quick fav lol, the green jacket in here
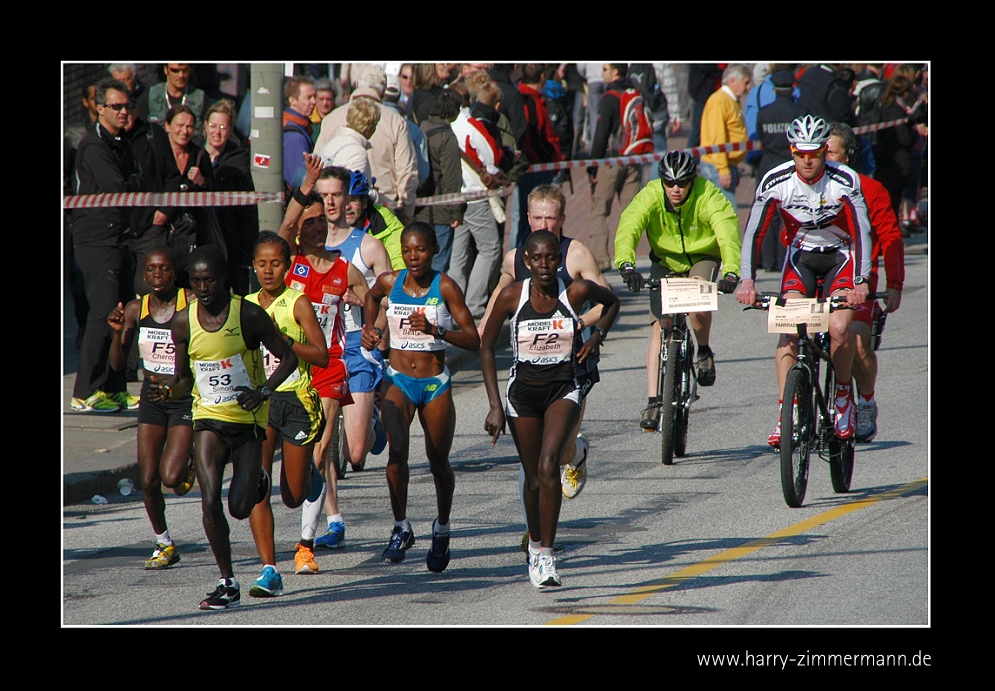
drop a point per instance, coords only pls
(705, 225)
(388, 231)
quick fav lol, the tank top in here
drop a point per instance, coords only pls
(220, 361)
(282, 312)
(400, 305)
(325, 290)
(542, 342)
(351, 251)
(155, 339)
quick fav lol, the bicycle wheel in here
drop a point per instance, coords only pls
(684, 401)
(841, 464)
(796, 435)
(669, 403)
(335, 454)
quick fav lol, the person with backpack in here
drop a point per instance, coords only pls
(623, 129)
(540, 144)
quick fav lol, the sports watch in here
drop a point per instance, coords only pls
(265, 392)
(860, 280)
(440, 332)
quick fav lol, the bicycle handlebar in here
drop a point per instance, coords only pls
(835, 301)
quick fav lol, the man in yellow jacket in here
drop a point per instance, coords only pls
(722, 122)
(692, 231)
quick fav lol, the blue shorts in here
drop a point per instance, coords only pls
(365, 369)
(420, 391)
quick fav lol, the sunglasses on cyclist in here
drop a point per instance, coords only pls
(118, 106)
(683, 182)
(818, 153)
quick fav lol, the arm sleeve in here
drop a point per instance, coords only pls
(635, 219)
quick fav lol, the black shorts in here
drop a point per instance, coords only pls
(293, 422)
(532, 400)
(706, 268)
(587, 380)
(168, 414)
(232, 435)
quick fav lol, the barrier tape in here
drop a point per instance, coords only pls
(166, 199)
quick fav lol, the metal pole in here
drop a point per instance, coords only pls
(266, 135)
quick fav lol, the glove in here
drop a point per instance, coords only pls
(728, 284)
(633, 279)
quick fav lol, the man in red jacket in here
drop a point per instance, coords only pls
(886, 240)
(540, 144)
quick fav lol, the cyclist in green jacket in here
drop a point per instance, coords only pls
(693, 231)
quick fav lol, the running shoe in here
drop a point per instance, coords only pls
(400, 541)
(125, 400)
(775, 437)
(867, 421)
(227, 594)
(334, 537)
(438, 556)
(542, 571)
(98, 402)
(185, 486)
(525, 544)
(264, 486)
(304, 560)
(846, 413)
(269, 584)
(163, 557)
(651, 418)
(381, 442)
(574, 477)
(705, 366)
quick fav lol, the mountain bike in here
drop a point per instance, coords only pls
(677, 381)
(806, 417)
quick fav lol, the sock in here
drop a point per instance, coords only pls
(546, 551)
(842, 389)
(868, 398)
(307, 543)
(653, 400)
(272, 565)
(404, 524)
(163, 539)
(337, 518)
(440, 528)
(534, 547)
(310, 513)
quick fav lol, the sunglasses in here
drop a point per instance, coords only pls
(179, 70)
(118, 106)
(683, 182)
(818, 153)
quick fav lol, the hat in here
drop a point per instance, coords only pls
(393, 91)
(782, 79)
(373, 76)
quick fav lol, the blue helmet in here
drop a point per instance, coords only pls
(358, 184)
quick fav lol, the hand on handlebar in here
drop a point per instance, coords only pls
(857, 295)
(746, 293)
(633, 279)
(728, 283)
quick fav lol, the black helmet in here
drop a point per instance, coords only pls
(677, 165)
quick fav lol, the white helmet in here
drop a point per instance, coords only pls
(808, 133)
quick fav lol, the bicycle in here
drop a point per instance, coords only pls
(677, 381)
(806, 417)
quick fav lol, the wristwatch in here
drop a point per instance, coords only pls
(860, 280)
(440, 332)
(265, 392)
(603, 332)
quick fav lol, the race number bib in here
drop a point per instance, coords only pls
(216, 380)
(546, 341)
(271, 362)
(398, 317)
(156, 349)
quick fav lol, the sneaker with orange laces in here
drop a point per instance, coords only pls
(304, 560)
(846, 412)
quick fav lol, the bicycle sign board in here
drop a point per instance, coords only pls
(688, 295)
(784, 319)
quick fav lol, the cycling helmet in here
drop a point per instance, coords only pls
(808, 133)
(358, 184)
(677, 165)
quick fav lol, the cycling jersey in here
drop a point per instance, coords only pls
(822, 216)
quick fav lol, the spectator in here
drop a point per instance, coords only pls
(867, 108)
(104, 164)
(722, 123)
(704, 79)
(430, 79)
(404, 78)
(392, 156)
(893, 154)
(540, 145)
(297, 134)
(593, 77)
(512, 104)
(446, 178)
(175, 91)
(609, 181)
(757, 97)
(824, 90)
(231, 172)
(348, 149)
(392, 100)
(666, 112)
(324, 103)
(127, 72)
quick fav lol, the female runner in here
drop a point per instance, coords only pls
(543, 392)
(295, 413)
(422, 305)
(165, 430)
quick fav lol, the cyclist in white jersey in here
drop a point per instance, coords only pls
(827, 232)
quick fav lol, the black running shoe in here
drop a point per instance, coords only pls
(705, 366)
(438, 557)
(227, 594)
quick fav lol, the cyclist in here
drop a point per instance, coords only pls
(827, 233)
(693, 231)
(886, 237)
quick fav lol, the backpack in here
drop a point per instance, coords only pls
(542, 147)
(635, 135)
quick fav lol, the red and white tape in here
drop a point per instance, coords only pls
(165, 199)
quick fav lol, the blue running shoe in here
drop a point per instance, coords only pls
(381, 442)
(400, 541)
(334, 537)
(269, 584)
